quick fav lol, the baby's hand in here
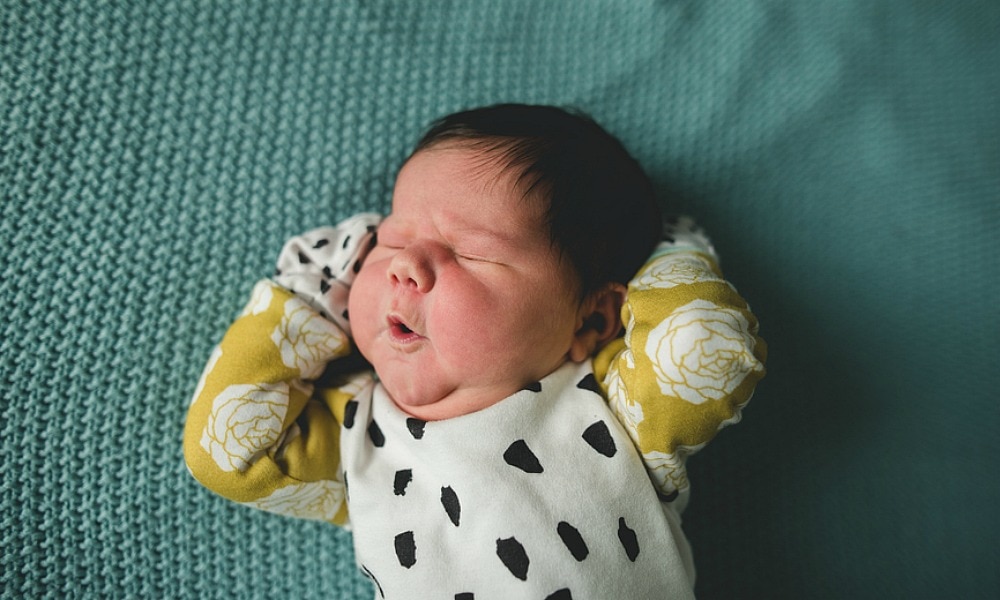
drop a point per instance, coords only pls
(681, 232)
(319, 266)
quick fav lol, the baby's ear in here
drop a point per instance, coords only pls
(598, 322)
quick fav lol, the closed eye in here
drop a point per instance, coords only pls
(476, 258)
(380, 242)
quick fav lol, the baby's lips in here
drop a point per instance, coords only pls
(400, 330)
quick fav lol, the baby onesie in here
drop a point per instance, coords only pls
(501, 503)
(561, 490)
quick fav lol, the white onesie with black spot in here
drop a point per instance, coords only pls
(566, 489)
(541, 495)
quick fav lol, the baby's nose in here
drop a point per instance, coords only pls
(414, 267)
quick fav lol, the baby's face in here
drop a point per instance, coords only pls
(464, 300)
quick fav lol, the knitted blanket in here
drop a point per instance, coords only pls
(154, 155)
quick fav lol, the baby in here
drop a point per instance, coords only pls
(511, 442)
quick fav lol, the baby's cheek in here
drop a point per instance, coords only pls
(471, 330)
(361, 308)
(455, 327)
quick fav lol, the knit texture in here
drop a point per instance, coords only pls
(154, 156)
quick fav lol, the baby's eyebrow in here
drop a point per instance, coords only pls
(491, 236)
(459, 230)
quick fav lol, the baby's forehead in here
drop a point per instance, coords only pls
(483, 170)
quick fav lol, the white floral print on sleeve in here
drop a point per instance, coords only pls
(260, 299)
(319, 500)
(683, 269)
(668, 470)
(307, 340)
(245, 421)
(702, 352)
(628, 411)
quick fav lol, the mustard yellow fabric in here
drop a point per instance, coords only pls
(688, 363)
(255, 433)
(259, 432)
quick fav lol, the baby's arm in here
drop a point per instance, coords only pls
(689, 361)
(255, 433)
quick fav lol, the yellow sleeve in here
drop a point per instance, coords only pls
(255, 432)
(688, 362)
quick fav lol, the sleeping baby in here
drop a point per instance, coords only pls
(497, 386)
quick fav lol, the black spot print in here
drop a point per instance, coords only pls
(406, 549)
(562, 594)
(628, 539)
(347, 240)
(449, 500)
(344, 314)
(402, 479)
(324, 287)
(416, 427)
(590, 383)
(465, 596)
(535, 386)
(599, 438)
(350, 411)
(357, 266)
(520, 455)
(321, 243)
(371, 576)
(573, 540)
(328, 273)
(277, 272)
(513, 556)
(303, 259)
(376, 435)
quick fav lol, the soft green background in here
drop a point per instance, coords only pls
(845, 155)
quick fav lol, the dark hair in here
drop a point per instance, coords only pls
(602, 212)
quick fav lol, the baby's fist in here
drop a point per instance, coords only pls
(320, 265)
(682, 232)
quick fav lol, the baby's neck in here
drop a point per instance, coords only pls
(460, 401)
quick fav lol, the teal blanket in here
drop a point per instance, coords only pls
(844, 155)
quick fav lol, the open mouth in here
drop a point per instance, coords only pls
(401, 332)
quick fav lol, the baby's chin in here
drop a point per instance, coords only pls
(409, 400)
(440, 404)
(426, 405)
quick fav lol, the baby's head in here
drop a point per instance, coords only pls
(599, 206)
(512, 234)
